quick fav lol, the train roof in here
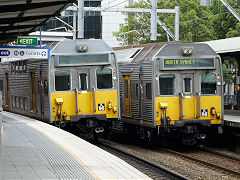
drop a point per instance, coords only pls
(146, 52)
(71, 46)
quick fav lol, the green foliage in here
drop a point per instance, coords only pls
(197, 23)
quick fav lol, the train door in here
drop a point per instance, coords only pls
(83, 104)
(33, 92)
(186, 99)
(8, 92)
(127, 95)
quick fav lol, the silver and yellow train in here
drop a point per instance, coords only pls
(171, 89)
(78, 84)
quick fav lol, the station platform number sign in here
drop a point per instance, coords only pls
(27, 41)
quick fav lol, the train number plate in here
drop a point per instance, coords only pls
(204, 112)
(101, 107)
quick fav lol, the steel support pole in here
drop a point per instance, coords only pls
(80, 28)
(74, 25)
(154, 20)
(177, 23)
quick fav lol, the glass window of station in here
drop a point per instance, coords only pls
(104, 78)
(208, 83)
(167, 84)
(62, 81)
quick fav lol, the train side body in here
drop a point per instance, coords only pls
(172, 89)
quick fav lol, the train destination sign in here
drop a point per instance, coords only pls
(27, 41)
(22, 52)
(206, 63)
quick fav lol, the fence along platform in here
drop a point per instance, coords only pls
(36, 150)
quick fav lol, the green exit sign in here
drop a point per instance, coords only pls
(27, 41)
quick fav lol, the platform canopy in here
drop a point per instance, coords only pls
(20, 17)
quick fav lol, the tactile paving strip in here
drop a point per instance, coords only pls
(64, 165)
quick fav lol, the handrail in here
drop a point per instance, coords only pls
(94, 100)
(76, 99)
(198, 97)
(181, 96)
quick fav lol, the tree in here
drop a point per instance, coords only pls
(225, 25)
(194, 22)
(197, 23)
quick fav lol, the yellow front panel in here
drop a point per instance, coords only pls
(103, 97)
(172, 108)
(189, 108)
(86, 103)
(212, 101)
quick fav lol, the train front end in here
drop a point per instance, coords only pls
(83, 85)
(188, 96)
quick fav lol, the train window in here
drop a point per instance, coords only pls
(25, 104)
(62, 80)
(17, 102)
(45, 86)
(149, 90)
(21, 103)
(13, 101)
(1, 85)
(167, 84)
(83, 81)
(104, 78)
(208, 83)
(24, 66)
(187, 85)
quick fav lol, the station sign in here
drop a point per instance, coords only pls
(23, 52)
(27, 41)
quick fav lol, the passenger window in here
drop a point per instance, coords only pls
(104, 78)
(83, 81)
(149, 90)
(187, 85)
(167, 84)
(208, 83)
(1, 85)
(62, 80)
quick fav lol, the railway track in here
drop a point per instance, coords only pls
(152, 170)
(207, 162)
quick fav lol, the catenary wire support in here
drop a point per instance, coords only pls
(136, 10)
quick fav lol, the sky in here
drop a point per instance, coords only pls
(111, 21)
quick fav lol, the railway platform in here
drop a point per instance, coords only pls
(232, 118)
(32, 150)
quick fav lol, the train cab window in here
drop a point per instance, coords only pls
(187, 85)
(208, 83)
(62, 80)
(83, 81)
(167, 84)
(104, 78)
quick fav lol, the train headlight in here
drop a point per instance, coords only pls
(82, 48)
(187, 51)
(218, 115)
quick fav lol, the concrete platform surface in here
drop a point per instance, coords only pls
(35, 150)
